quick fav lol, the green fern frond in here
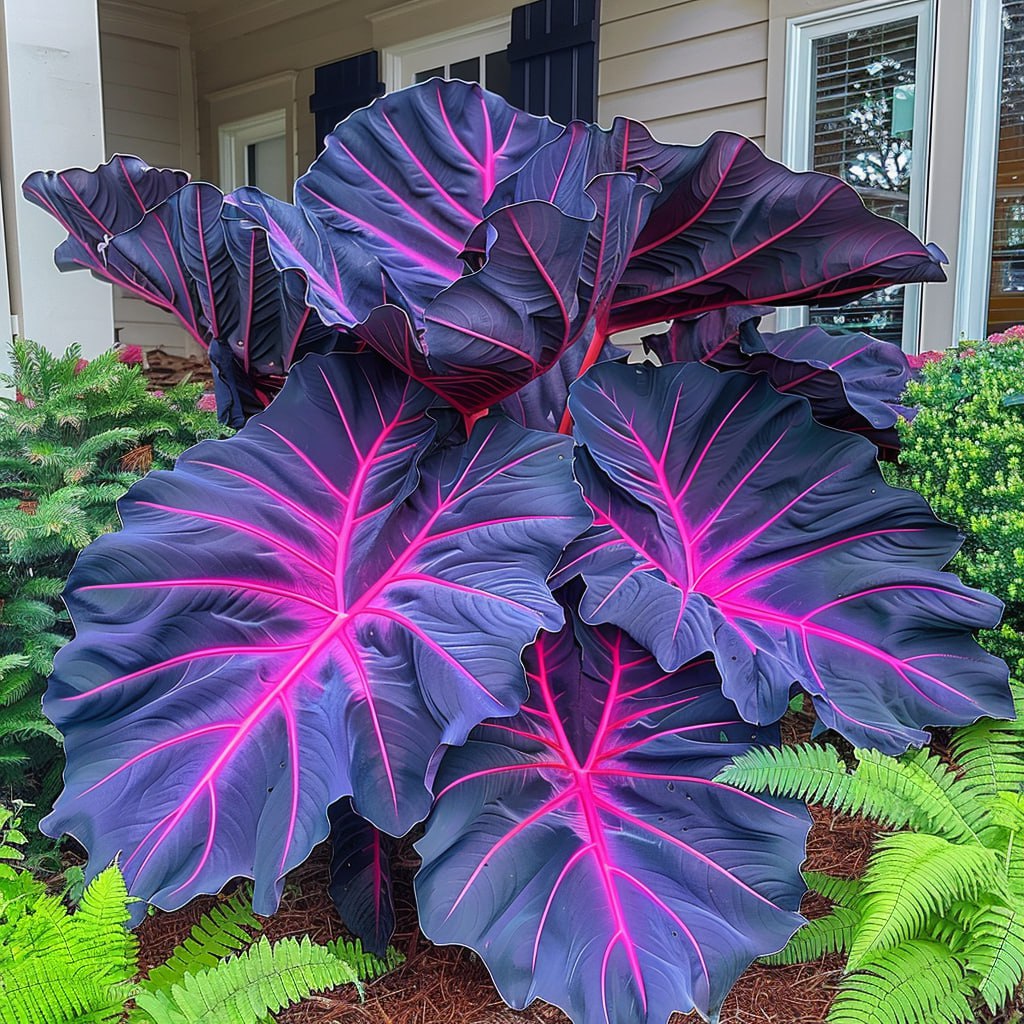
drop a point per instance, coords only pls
(246, 988)
(995, 951)
(820, 937)
(32, 993)
(101, 919)
(916, 983)
(990, 753)
(843, 892)
(914, 791)
(911, 878)
(224, 931)
(366, 965)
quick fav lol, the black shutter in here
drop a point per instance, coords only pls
(553, 56)
(342, 87)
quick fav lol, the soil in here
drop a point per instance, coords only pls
(449, 985)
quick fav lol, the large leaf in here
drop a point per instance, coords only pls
(92, 206)
(301, 613)
(726, 519)
(360, 883)
(583, 850)
(394, 197)
(729, 226)
(853, 382)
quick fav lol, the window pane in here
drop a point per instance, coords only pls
(863, 132)
(425, 76)
(467, 70)
(267, 166)
(1006, 290)
(498, 73)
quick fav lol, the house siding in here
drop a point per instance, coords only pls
(686, 69)
(146, 114)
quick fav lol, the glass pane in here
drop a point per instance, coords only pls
(467, 70)
(498, 73)
(425, 76)
(863, 132)
(267, 166)
(1006, 289)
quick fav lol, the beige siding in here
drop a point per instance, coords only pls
(687, 68)
(142, 104)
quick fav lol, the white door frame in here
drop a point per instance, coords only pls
(237, 135)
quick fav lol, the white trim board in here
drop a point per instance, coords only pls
(981, 144)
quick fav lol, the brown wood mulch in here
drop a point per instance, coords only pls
(163, 369)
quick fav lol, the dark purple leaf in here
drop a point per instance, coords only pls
(385, 212)
(726, 519)
(585, 852)
(271, 327)
(735, 227)
(94, 205)
(729, 227)
(541, 404)
(853, 382)
(545, 278)
(303, 612)
(409, 176)
(360, 883)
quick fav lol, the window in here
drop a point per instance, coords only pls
(857, 108)
(1006, 283)
(474, 54)
(255, 152)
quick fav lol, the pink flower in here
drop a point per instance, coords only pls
(130, 354)
(207, 403)
(81, 365)
(1010, 334)
(916, 362)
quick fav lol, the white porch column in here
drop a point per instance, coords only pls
(51, 117)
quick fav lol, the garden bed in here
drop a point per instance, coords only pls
(449, 985)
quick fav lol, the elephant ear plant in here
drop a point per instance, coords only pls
(473, 568)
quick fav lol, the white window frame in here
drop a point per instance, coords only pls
(801, 33)
(981, 146)
(236, 136)
(401, 62)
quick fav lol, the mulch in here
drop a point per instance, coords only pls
(450, 985)
(164, 369)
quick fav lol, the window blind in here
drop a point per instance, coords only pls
(862, 126)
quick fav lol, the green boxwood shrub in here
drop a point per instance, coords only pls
(964, 451)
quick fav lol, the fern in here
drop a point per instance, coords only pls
(245, 988)
(221, 932)
(913, 878)
(914, 791)
(918, 982)
(820, 937)
(58, 967)
(935, 927)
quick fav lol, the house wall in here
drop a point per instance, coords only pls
(686, 67)
(149, 112)
(250, 61)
